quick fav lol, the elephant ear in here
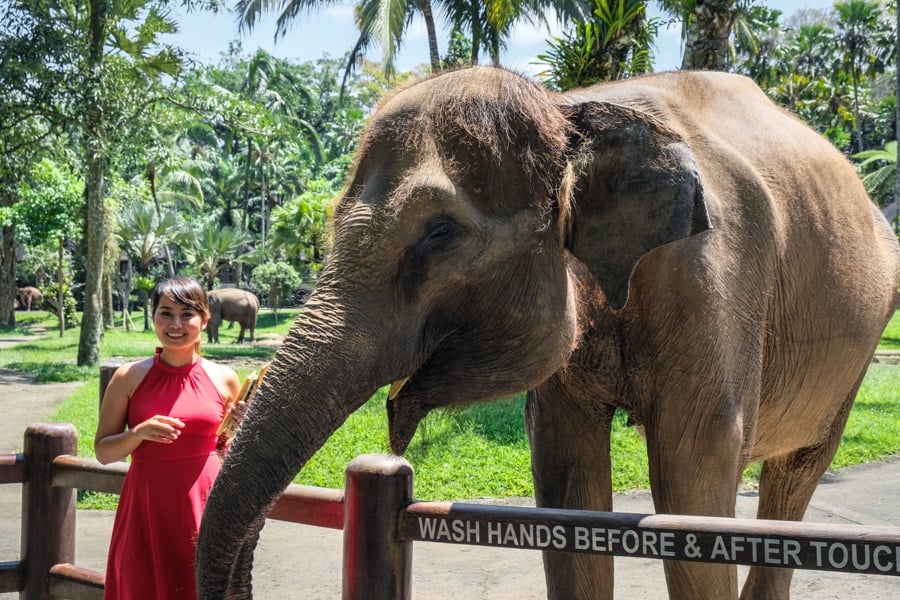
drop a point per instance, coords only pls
(636, 188)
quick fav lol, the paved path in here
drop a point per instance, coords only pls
(297, 561)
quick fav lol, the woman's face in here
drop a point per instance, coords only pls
(177, 326)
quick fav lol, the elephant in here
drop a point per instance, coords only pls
(232, 304)
(29, 296)
(659, 245)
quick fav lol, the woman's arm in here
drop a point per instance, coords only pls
(113, 440)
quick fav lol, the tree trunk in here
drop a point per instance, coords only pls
(706, 39)
(151, 177)
(476, 31)
(94, 222)
(897, 124)
(7, 270)
(60, 292)
(432, 36)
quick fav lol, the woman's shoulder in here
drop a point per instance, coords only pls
(223, 377)
(134, 371)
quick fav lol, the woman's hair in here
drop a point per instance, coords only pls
(183, 290)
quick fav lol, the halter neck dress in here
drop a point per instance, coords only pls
(151, 552)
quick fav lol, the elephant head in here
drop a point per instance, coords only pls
(451, 271)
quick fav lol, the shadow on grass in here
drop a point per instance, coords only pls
(889, 343)
(235, 351)
(55, 372)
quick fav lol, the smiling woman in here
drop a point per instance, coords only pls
(164, 412)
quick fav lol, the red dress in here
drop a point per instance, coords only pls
(151, 553)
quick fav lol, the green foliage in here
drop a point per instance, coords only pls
(51, 302)
(210, 246)
(279, 279)
(475, 452)
(880, 172)
(48, 209)
(298, 227)
(615, 44)
(459, 50)
(890, 339)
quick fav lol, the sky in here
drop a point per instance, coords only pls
(330, 30)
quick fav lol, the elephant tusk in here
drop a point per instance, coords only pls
(396, 387)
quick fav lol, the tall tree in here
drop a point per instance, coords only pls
(867, 42)
(706, 28)
(614, 44)
(130, 29)
(35, 56)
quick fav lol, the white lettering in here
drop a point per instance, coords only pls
(650, 540)
(736, 545)
(863, 562)
(473, 532)
(819, 546)
(719, 549)
(876, 558)
(631, 542)
(772, 552)
(841, 562)
(559, 537)
(754, 544)
(581, 538)
(792, 551)
(426, 528)
(443, 531)
(495, 533)
(667, 546)
(510, 535)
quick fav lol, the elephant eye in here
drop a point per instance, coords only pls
(438, 234)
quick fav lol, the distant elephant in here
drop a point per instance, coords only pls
(660, 245)
(232, 304)
(30, 296)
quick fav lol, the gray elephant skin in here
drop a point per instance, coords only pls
(663, 245)
(235, 305)
(29, 297)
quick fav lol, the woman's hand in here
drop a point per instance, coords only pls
(159, 428)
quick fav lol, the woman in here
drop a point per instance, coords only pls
(164, 412)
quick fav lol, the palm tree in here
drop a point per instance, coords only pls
(379, 21)
(142, 234)
(174, 173)
(210, 247)
(866, 42)
(614, 44)
(880, 167)
(706, 28)
(106, 25)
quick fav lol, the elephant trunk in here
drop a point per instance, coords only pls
(312, 386)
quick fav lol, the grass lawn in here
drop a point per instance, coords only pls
(477, 452)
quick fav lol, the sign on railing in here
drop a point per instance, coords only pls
(824, 547)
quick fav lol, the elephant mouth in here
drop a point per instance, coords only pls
(403, 416)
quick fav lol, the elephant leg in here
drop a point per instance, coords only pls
(570, 464)
(786, 486)
(695, 470)
(240, 339)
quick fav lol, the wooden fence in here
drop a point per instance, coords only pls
(380, 521)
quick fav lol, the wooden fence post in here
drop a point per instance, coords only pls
(377, 563)
(48, 513)
(107, 370)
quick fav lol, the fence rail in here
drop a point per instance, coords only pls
(381, 520)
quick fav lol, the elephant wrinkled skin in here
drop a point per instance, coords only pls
(662, 245)
(232, 304)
